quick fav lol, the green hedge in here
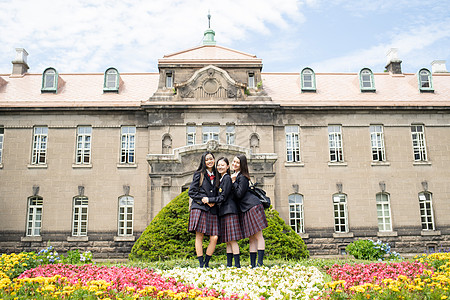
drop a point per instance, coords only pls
(166, 237)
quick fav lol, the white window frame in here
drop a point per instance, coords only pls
(2, 137)
(292, 143)
(34, 215)
(296, 217)
(80, 216)
(125, 216)
(128, 145)
(425, 80)
(308, 80)
(251, 80)
(366, 80)
(426, 211)
(112, 80)
(210, 132)
(49, 80)
(231, 135)
(340, 213)
(84, 140)
(418, 142)
(335, 143)
(377, 143)
(169, 79)
(384, 216)
(40, 142)
(190, 134)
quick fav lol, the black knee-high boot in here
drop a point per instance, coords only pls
(253, 259)
(237, 260)
(229, 259)
(260, 257)
(207, 258)
(200, 260)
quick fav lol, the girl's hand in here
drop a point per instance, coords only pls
(211, 204)
(233, 177)
(205, 200)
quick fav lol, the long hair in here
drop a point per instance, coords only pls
(244, 166)
(202, 166)
(228, 170)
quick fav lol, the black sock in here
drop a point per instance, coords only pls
(253, 259)
(260, 257)
(207, 258)
(237, 260)
(229, 259)
(200, 260)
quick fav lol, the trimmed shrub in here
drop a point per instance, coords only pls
(166, 237)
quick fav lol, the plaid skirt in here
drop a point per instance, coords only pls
(253, 220)
(204, 222)
(230, 228)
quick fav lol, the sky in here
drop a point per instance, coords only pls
(89, 36)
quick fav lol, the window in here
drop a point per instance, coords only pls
(426, 211)
(84, 144)
(128, 145)
(80, 216)
(383, 212)
(251, 80)
(292, 144)
(425, 82)
(340, 213)
(366, 81)
(230, 135)
(39, 145)
(308, 79)
(2, 131)
(296, 213)
(111, 81)
(49, 81)
(126, 205)
(169, 80)
(418, 140)
(190, 135)
(377, 142)
(34, 221)
(335, 143)
(210, 133)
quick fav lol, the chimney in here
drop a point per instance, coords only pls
(20, 65)
(438, 66)
(393, 64)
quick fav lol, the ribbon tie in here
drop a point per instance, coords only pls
(211, 177)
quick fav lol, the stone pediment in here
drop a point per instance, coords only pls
(209, 82)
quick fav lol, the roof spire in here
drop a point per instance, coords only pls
(208, 36)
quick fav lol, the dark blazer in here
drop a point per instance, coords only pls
(225, 197)
(197, 192)
(242, 196)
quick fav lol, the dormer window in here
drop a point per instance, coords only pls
(169, 80)
(49, 81)
(251, 80)
(366, 81)
(308, 79)
(425, 81)
(111, 81)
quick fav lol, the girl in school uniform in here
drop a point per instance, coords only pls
(203, 219)
(230, 228)
(253, 218)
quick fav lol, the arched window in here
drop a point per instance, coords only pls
(49, 81)
(126, 210)
(425, 80)
(340, 213)
(308, 80)
(426, 211)
(111, 80)
(34, 221)
(166, 144)
(296, 213)
(366, 81)
(80, 216)
(254, 142)
(384, 212)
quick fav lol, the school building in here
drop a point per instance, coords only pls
(87, 160)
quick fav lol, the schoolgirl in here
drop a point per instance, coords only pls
(203, 219)
(230, 228)
(253, 218)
